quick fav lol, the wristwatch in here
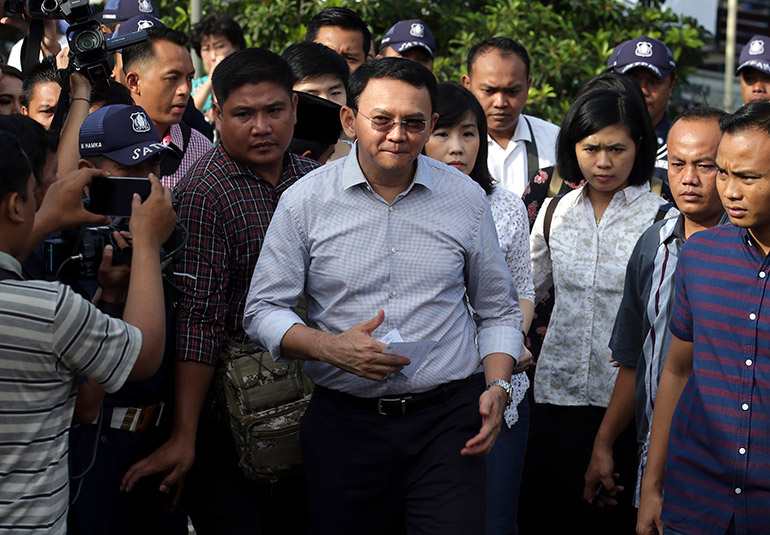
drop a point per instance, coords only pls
(505, 386)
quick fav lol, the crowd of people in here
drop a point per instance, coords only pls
(508, 326)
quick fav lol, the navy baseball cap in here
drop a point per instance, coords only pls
(134, 24)
(406, 34)
(645, 52)
(122, 10)
(755, 54)
(121, 133)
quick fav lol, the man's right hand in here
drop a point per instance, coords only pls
(600, 470)
(355, 351)
(648, 518)
(153, 220)
(174, 458)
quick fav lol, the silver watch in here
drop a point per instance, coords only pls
(506, 386)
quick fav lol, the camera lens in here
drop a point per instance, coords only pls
(88, 40)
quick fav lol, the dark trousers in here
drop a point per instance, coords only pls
(559, 449)
(222, 501)
(373, 474)
(99, 507)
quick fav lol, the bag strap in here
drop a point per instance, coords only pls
(533, 163)
(170, 160)
(548, 217)
(663, 210)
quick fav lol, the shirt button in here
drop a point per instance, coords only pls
(742, 451)
(762, 274)
(392, 250)
(745, 406)
(394, 293)
(390, 208)
(738, 490)
(749, 362)
(752, 316)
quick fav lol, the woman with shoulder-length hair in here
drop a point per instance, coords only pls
(580, 244)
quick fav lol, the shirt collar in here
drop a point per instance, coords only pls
(521, 133)
(353, 175)
(9, 263)
(174, 137)
(287, 171)
(628, 194)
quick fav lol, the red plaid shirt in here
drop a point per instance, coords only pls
(226, 209)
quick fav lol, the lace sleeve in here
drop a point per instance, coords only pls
(512, 225)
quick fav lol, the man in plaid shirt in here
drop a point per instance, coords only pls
(226, 202)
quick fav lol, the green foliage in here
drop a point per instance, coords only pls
(569, 41)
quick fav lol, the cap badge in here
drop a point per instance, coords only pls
(756, 47)
(417, 30)
(145, 6)
(139, 122)
(643, 49)
(144, 24)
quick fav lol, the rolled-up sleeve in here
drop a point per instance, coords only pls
(278, 281)
(492, 293)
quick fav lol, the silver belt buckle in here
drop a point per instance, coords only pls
(403, 401)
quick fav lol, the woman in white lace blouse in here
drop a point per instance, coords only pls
(459, 139)
(606, 139)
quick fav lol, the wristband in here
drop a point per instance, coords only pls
(81, 98)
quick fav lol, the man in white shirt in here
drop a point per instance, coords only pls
(498, 75)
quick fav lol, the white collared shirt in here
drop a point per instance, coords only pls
(586, 263)
(508, 166)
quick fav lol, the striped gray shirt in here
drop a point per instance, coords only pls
(50, 336)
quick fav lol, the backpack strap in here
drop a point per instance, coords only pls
(533, 163)
(548, 217)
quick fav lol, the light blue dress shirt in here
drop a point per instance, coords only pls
(352, 253)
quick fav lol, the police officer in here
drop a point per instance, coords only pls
(652, 65)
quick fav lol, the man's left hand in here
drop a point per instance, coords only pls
(491, 406)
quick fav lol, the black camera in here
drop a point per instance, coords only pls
(90, 52)
(76, 254)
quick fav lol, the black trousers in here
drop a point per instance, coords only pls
(222, 501)
(559, 450)
(373, 474)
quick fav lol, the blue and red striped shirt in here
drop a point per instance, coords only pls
(719, 448)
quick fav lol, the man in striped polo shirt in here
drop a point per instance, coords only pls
(708, 469)
(51, 336)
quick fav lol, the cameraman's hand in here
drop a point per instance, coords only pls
(152, 221)
(113, 279)
(49, 45)
(80, 86)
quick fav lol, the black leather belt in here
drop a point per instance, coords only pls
(398, 404)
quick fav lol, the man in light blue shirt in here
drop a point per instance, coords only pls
(390, 444)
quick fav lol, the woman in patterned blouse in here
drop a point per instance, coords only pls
(459, 140)
(606, 140)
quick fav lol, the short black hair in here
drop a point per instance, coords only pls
(598, 109)
(45, 71)
(699, 113)
(752, 116)
(505, 45)
(216, 23)
(455, 103)
(250, 66)
(341, 17)
(145, 50)
(309, 59)
(113, 93)
(402, 69)
(15, 167)
(36, 141)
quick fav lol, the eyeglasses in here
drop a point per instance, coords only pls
(386, 124)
